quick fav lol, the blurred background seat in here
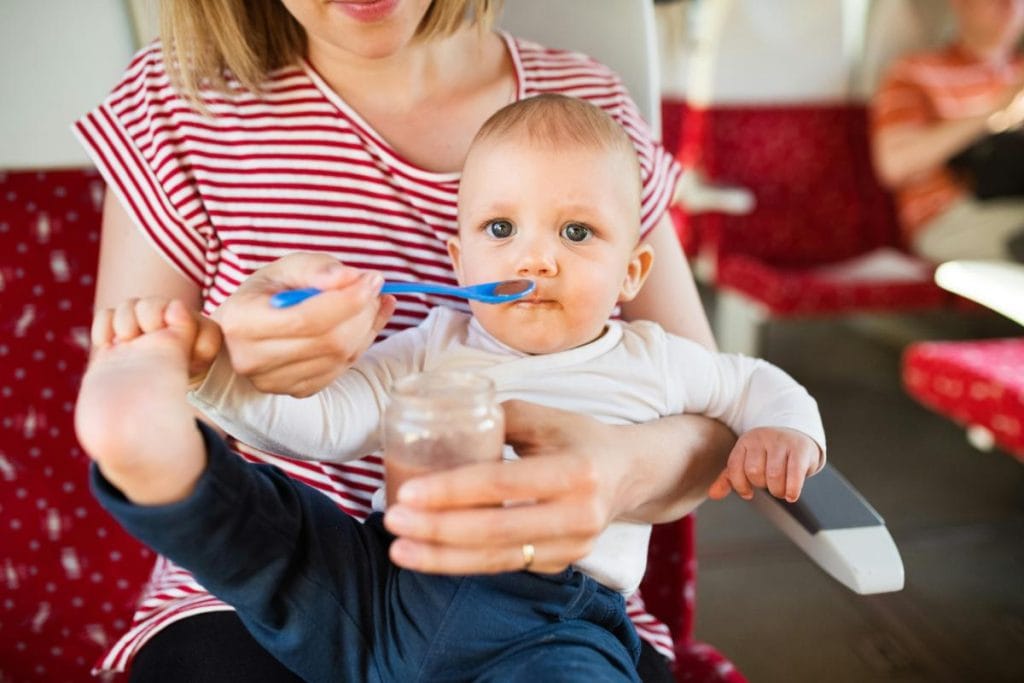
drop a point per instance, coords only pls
(779, 117)
(977, 384)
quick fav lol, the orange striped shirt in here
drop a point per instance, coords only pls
(929, 88)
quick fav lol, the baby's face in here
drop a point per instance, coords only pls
(568, 219)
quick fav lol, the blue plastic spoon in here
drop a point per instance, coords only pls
(499, 292)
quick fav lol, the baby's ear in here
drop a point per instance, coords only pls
(455, 253)
(640, 262)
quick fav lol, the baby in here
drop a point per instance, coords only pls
(550, 192)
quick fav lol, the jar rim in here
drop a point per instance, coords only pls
(443, 384)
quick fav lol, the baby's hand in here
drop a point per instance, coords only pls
(133, 319)
(778, 459)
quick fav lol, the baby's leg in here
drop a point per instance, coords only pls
(131, 416)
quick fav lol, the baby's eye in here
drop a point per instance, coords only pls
(576, 232)
(499, 229)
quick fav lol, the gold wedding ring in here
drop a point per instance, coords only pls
(528, 553)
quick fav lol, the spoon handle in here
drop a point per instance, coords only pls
(290, 297)
(418, 288)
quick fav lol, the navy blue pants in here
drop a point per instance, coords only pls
(316, 589)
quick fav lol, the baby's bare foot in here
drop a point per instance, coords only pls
(131, 416)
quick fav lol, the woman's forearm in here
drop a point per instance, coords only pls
(906, 151)
(673, 461)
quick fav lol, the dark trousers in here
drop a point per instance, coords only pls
(316, 589)
(215, 648)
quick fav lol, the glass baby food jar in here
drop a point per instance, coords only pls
(439, 420)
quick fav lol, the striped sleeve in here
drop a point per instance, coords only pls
(129, 138)
(659, 170)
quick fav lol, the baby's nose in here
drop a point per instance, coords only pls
(537, 260)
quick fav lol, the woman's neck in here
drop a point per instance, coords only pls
(987, 51)
(405, 79)
(428, 100)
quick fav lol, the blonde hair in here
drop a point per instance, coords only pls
(557, 120)
(205, 40)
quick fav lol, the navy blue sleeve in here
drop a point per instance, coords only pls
(298, 570)
(238, 514)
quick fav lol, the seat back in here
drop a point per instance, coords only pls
(71, 575)
(894, 28)
(767, 117)
(619, 33)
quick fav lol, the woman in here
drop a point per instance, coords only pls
(339, 127)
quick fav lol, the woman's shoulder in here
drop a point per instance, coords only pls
(932, 66)
(145, 69)
(548, 69)
(146, 84)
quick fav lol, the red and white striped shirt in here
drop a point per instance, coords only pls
(296, 169)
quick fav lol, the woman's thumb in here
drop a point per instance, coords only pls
(334, 275)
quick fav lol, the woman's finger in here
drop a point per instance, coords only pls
(488, 484)
(300, 269)
(548, 557)
(252, 318)
(566, 517)
(333, 307)
(339, 347)
(247, 314)
(298, 379)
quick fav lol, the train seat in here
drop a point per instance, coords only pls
(978, 384)
(72, 575)
(822, 239)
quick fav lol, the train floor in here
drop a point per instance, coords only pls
(956, 514)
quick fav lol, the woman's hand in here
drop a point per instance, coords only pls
(457, 521)
(1010, 112)
(301, 349)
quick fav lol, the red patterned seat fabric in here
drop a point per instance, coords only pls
(817, 204)
(71, 577)
(973, 383)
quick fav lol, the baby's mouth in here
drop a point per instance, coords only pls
(535, 301)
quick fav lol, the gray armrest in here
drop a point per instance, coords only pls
(840, 531)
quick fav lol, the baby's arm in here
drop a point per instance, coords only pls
(338, 423)
(781, 436)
